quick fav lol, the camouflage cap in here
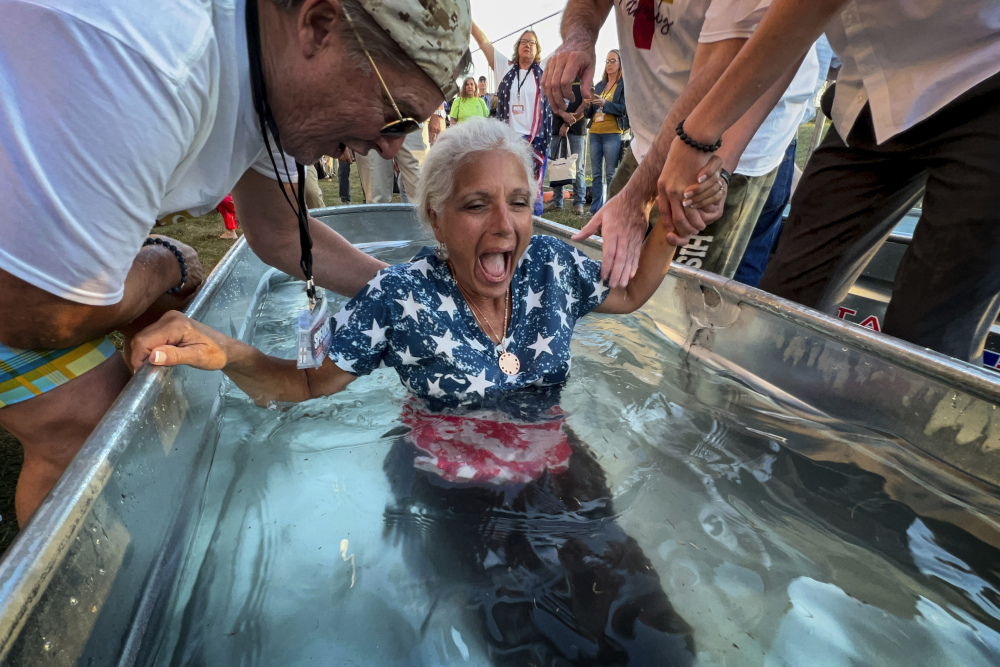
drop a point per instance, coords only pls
(434, 33)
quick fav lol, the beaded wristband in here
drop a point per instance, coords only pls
(180, 258)
(697, 145)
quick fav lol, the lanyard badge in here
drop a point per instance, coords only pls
(315, 334)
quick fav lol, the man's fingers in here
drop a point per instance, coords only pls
(589, 229)
(170, 355)
(610, 247)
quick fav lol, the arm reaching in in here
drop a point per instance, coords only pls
(273, 232)
(654, 261)
(178, 340)
(623, 221)
(575, 58)
(784, 35)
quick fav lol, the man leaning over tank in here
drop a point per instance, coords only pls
(154, 101)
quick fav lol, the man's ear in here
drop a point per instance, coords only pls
(317, 24)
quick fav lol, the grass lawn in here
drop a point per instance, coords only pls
(203, 234)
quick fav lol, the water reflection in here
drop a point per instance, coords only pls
(542, 567)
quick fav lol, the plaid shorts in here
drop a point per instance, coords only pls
(28, 373)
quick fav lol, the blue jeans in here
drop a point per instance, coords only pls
(344, 175)
(579, 185)
(604, 150)
(768, 228)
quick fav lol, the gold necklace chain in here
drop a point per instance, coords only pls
(480, 318)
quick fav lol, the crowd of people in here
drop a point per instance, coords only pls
(693, 158)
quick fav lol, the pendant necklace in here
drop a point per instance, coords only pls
(508, 361)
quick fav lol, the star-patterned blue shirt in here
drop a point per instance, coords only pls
(412, 317)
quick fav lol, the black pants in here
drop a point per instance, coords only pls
(850, 197)
(344, 176)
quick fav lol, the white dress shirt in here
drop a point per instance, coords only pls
(909, 58)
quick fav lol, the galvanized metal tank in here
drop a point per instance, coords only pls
(94, 566)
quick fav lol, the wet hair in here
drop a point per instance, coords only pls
(461, 144)
(621, 72)
(475, 91)
(538, 47)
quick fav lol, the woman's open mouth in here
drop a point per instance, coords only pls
(494, 266)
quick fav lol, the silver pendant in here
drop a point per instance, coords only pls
(509, 363)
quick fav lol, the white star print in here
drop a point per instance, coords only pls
(342, 317)
(410, 307)
(526, 257)
(434, 388)
(422, 266)
(534, 299)
(375, 283)
(447, 305)
(580, 259)
(347, 364)
(475, 345)
(599, 289)
(557, 268)
(541, 345)
(562, 319)
(376, 333)
(570, 300)
(445, 344)
(406, 359)
(478, 383)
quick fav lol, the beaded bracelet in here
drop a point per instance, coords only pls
(180, 258)
(697, 145)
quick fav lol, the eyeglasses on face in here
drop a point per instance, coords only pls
(527, 42)
(396, 128)
(610, 60)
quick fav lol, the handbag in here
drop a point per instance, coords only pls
(562, 170)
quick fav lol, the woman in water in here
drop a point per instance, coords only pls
(479, 332)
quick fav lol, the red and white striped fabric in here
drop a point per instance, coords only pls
(488, 447)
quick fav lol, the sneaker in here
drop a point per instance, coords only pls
(578, 210)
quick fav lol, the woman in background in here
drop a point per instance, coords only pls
(609, 120)
(469, 104)
(520, 102)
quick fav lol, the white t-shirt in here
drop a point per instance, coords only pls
(131, 113)
(909, 58)
(767, 148)
(655, 77)
(523, 93)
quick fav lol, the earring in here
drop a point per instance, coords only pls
(441, 250)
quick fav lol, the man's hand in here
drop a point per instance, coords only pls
(176, 339)
(572, 61)
(564, 130)
(684, 166)
(623, 222)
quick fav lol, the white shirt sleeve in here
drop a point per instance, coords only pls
(501, 64)
(732, 19)
(90, 137)
(285, 163)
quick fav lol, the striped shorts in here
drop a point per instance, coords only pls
(28, 373)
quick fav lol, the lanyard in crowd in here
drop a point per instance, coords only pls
(520, 81)
(267, 125)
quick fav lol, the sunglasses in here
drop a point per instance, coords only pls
(608, 62)
(397, 128)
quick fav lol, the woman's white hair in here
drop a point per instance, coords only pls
(458, 145)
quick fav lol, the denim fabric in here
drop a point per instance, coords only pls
(768, 227)
(604, 150)
(344, 174)
(579, 185)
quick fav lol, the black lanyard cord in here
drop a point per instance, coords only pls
(520, 81)
(267, 125)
